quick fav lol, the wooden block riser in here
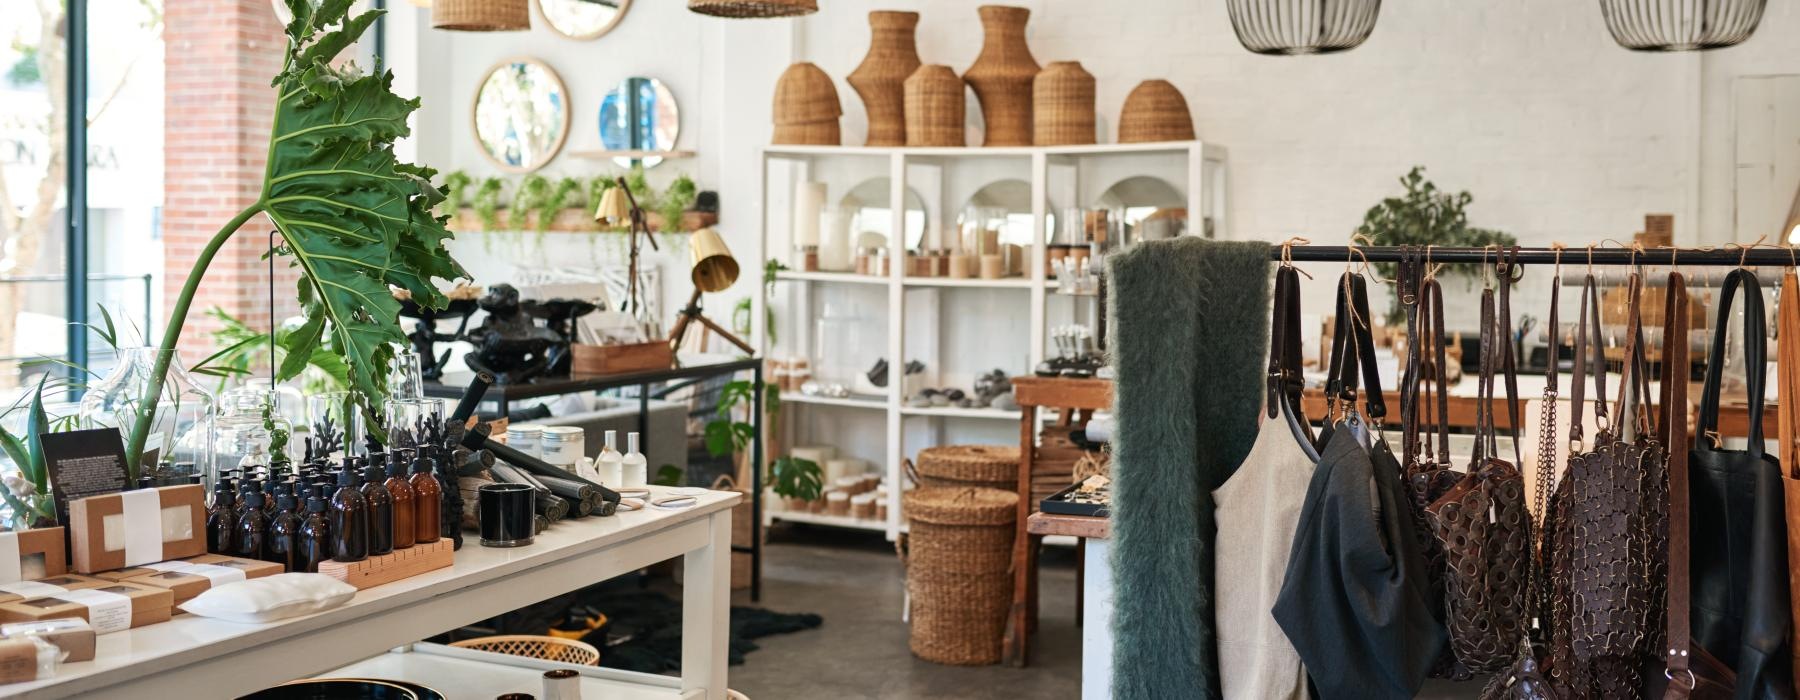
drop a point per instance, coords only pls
(387, 568)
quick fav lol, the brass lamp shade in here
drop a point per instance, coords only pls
(613, 210)
(741, 9)
(481, 15)
(714, 268)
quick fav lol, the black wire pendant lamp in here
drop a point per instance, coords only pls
(1681, 25)
(1295, 27)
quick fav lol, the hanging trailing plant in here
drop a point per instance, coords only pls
(533, 190)
(456, 186)
(487, 203)
(675, 201)
(353, 218)
(559, 197)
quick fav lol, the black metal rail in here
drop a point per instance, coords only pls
(1726, 256)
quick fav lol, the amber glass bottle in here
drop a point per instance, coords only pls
(221, 518)
(315, 542)
(428, 500)
(401, 491)
(381, 512)
(349, 518)
(252, 528)
(283, 542)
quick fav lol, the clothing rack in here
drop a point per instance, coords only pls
(1725, 257)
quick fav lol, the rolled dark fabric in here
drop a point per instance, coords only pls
(465, 407)
(478, 439)
(581, 497)
(548, 503)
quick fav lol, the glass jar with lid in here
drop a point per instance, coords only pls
(242, 440)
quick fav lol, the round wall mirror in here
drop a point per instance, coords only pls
(583, 19)
(521, 115)
(1153, 209)
(872, 218)
(639, 114)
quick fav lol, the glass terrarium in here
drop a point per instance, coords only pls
(242, 440)
(180, 436)
(335, 425)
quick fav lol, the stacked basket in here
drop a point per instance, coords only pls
(958, 563)
(988, 466)
(806, 107)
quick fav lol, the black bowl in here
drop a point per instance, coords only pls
(338, 689)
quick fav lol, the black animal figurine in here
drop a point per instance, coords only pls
(425, 336)
(559, 316)
(508, 344)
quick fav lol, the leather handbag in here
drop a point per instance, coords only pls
(1787, 367)
(1740, 605)
(1482, 521)
(1353, 599)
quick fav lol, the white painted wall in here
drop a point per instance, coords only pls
(1560, 134)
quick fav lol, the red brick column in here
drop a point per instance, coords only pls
(220, 56)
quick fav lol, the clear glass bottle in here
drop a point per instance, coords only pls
(241, 437)
(406, 377)
(610, 463)
(636, 468)
(181, 429)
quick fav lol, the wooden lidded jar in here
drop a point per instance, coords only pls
(1002, 74)
(880, 80)
(1062, 108)
(934, 107)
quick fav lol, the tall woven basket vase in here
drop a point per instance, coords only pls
(1155, 111)
(1002, 76)
(881, 78)
(1062, 105)
(958, 572)
(806, 107)
(934, 107)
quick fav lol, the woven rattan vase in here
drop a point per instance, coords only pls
(1155, 111)
(958, 572)
(806, 107)
(934, 107)
(749, 9)
(1062, 105)
(1002, 76)
(881, 78)
(481, 15)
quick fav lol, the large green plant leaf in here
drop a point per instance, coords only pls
(354, 219)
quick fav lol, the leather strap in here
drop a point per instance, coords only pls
(1672, 428)
(1755, 358)
(1374, 402)
(1408, 282)
(1787, 367)
(1590, 314)
(1507, 273)
(1441, 387)
(1484, 386)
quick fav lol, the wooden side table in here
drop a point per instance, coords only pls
(1076, 399)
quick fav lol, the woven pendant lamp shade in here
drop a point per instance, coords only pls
(1062, 105)
(1001, 76)
(881, 78)
(751, 9)
(1681, 25)
(806, 107)
(1155, 111)
(934, 107)
(1297, 27)
(481, 15)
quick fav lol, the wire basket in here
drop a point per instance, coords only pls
(568, 651)
(1155, 111)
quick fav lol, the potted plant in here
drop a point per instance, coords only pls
(1423, 216)
(789, 477)
(353, 219)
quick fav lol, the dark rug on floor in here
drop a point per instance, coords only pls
(643, 629)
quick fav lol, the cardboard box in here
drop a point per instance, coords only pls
(109, 608)
(252, 568)
(73, 635)
(48, 586)
(32, 554)
(188, 578)
(18, 660)
(133, 528)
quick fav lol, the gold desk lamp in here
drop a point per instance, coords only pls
(714, 271)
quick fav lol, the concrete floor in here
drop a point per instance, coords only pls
(854, 580)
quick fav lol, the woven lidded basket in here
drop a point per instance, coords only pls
(805, 95)
(958, 572)
(569, 651)
(934, 107)
(1155, 111)
(481, 15)
(746, 9)
(991, 466)
(1062, 105)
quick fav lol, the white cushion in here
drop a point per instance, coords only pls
(271, 598)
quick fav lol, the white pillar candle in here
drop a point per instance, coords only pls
(809, 204)
(834, 250)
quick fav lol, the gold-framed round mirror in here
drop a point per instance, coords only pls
(520, 115)
(582, 20)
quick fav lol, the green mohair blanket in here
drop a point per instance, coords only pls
(1190, 322)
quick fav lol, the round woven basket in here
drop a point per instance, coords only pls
(1155, 111)
(1001, 76)
(814, 134)
(481, 15)
(748, 9)
(958, 562)
(881, 78)
(991, 466)
(568, 651)
(804, 94)
(934, 107)
(1062, 105)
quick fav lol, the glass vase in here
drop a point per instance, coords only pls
(179, 441)
(336, 426)
(406, 378)
(243, 445)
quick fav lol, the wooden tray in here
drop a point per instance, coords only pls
(387, 568)
(619, 359)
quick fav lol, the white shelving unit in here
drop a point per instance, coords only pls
(964, 326)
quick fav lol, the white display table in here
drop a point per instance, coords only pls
(196, 657)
